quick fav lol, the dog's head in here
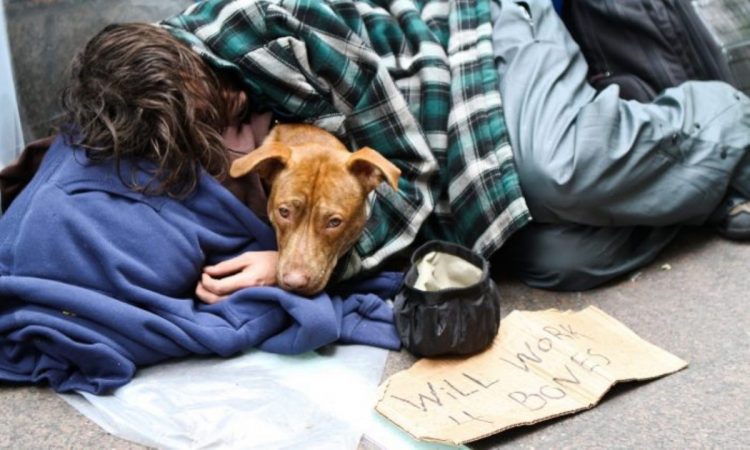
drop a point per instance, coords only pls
(317, 202)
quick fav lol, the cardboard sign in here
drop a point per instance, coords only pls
(541, 365)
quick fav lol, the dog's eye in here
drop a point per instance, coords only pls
(284, 212)
(333, 223)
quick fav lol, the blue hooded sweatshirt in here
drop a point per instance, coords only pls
(97, 280)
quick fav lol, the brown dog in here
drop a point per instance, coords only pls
(317, 203)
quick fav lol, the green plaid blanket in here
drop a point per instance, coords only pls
(412, 79)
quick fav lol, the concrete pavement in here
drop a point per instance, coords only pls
(692, 302)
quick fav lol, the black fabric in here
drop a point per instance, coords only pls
(644, 46)
(19, 173)
(572, 257)
(457, 321)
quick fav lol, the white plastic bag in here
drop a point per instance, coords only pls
(255, 400)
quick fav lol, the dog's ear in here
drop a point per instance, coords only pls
(372, 168)
(265, 160)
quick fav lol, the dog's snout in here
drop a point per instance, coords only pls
(295, 280)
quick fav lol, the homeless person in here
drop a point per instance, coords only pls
(126, 207)
(607, 182)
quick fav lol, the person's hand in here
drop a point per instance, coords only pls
(246, 270)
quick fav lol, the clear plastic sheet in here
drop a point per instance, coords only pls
(255, 400)
(11, 136)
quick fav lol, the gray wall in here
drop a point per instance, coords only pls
(11, 139)
(45, 34)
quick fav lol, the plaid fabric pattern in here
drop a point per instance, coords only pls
(412, 79)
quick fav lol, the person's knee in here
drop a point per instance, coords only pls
(569, 257)
(573, 272)
(550, 257)
(723, 93)
(712, 111)
(548, 188)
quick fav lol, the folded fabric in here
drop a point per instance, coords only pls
(97, 279)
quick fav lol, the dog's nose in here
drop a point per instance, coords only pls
(295, 280)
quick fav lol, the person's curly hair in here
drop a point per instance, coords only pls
(136, 91)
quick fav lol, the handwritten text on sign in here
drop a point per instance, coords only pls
(542, 364)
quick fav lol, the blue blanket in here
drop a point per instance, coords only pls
(97, 280)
